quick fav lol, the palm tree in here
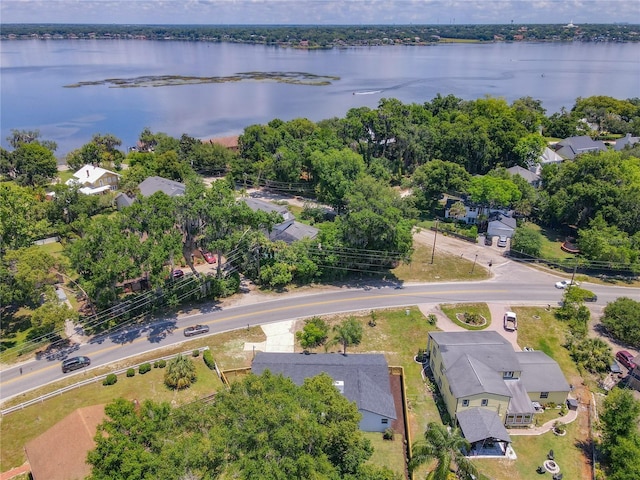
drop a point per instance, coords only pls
(181, 373)
(445, 446)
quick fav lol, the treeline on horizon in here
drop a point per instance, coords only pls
(327, 36)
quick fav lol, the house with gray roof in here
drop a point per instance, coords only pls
(501, 225)
(622, 143)
(289, 230)
(480, 370)
(532, 178)
(362, 378)
(571, 147)
(151, 185)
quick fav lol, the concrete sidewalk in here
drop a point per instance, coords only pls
(280, 338)
(571, 416)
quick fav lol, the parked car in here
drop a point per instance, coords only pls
(502, 241)
(591, 298)
(615, 368)
(488, 240)
(196, 330)
(626, 359)
(75, 363)
(177, 273)
(209, 257)
(566, 283)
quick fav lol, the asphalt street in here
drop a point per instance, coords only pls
(512, 284)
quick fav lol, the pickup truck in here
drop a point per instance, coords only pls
(510, 321)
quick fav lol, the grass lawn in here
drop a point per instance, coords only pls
(18, 428)
(551, 241)
(444, 268)
(65, 175)
(53, 248)
(452, 311)
(532, 452)
(398, 336)
(538, 328)
(387, 453)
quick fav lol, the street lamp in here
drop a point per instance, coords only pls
(474, 263)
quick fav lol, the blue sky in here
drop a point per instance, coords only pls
(318, 11)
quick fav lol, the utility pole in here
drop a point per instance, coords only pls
(474, 263)
(573, 276)
(433, 252)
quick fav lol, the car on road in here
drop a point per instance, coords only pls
(502, 241)
(75, 363)
(591, 298)
(626, 359)
(566, 283)
(196, 330)
(177, 273)
(208, 257)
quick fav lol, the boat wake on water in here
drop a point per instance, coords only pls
(368, 92)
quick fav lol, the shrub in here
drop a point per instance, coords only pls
(559, 427)
(131, 372)
(207, 356)
(432, 319)
(155, 364)
(162, 363)
(110, 379)
(196, 353)
(388, 434)
(181, 373)
(144, 368)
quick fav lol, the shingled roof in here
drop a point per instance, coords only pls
(479, 424)
(365, 376)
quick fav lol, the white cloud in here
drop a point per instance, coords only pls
(318, 11)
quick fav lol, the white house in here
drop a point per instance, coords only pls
(94, 180)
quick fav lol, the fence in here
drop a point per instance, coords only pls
(89, 381)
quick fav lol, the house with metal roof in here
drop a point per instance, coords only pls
(362, 378)
(625, 141)
(571, 147)
(481, 370)
(532, 178)
(289, 230)
(151, 185)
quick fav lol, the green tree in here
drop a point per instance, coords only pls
(437, 177)
(335, 171)
(22, 218)
(622, 320)
(30, 273)
(50, 316)
(348, 333)
(458, 210)
(129, 443)
(180, 373)
(528, 241)
(446, 447)
(618, 418)
(34, 164)
(623, 459)
(592, 354)
(314, 333)
(493, 191)
(529, 148)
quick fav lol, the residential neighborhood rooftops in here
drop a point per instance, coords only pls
(540, 372)
(365, 376)
(478, 424)
(89, 174)
(573, 146)
(151, 185)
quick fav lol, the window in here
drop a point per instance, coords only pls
(544, 394)
(465, 403)
(484, 402)
(507, 375)
(385, 420)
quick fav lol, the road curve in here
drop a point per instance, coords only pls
(516, 285)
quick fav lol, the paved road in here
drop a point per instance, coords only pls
(512, 284)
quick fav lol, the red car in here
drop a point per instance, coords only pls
(209, 257)
(626, 359)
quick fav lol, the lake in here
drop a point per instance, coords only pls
(34, 74)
